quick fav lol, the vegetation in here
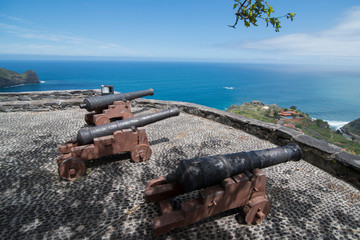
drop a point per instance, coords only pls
(250, 11)
(300, 121)
(10, 78)
(256, 111)
(353, 129)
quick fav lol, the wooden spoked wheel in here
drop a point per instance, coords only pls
(72, 168)
(141, 153)
(256, 210)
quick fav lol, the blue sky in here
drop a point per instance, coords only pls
(323, 32)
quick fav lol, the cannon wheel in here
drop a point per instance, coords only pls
(72, 168)
(141, 153)
(156, 182)
(256, 210)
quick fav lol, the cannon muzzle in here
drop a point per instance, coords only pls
(99, 103)
(198, 173)
(86, 135)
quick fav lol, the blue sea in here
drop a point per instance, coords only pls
(329, 93)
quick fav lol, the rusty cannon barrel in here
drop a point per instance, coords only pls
(86, 135)
(99, 103)
(198, 173)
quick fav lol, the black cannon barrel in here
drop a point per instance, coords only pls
(198, 173)
(86, 135)
(101, 102)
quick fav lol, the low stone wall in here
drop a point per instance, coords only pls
(43, 101)
(324, 155)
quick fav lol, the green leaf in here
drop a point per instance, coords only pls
(271, 10)
(292, 15)
(250, 11)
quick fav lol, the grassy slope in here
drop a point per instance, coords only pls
(317, 129)
(259, 115)
(7, 73)
(11, 78)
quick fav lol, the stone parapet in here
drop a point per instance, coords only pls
(322, 154)
(108, 202)
(44, 100)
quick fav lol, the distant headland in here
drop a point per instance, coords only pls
(10, 78)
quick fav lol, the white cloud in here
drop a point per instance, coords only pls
(43, 42)
(54, 49)
(8, 27)
(15, 19)
(342, 40)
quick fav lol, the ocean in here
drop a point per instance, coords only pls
(330, 93)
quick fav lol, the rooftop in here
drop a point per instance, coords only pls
(108, 202)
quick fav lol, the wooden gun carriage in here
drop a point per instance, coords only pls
(112, 107)
(116, 137)
(223, 182)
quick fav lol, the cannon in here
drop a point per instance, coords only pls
(223, 182)
(126, 135)
(112, 107)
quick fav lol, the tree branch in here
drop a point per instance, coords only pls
(250, 12)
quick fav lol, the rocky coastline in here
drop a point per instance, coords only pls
(352, 129)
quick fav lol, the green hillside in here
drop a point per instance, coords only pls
(295, 119)
(10, 78)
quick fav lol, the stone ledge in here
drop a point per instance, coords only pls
(39, 105)
(348, 159)
(320, 153)
(44, 100)
(28, 96)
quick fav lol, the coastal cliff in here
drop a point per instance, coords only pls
(352, 128)
(10, 78)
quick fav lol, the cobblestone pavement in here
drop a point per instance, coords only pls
(108, 202)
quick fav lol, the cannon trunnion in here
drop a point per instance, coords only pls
(245, 189)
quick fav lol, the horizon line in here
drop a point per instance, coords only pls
(32, 57)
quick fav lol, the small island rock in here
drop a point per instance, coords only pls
(10, 78)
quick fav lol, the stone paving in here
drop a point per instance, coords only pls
(108, 202)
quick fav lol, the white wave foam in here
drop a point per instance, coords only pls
(19, 85)
(23, 84)
(229, 88)
(336, 124)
